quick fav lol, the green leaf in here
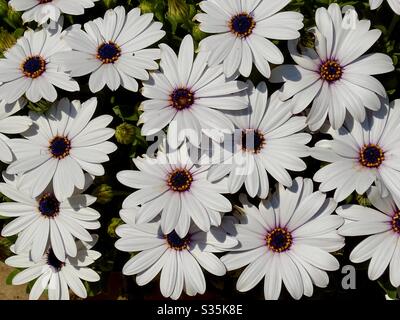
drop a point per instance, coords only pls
(388, 288)
(11, 276)
(127, 112)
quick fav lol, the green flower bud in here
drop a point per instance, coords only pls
(18, 33)
(147, 6)
(125, 133)
(7, 40)
(157, 7)
(115, 222)
(307, 40)
(14, 17)
(363, 200)
(110, 3)
(178, 11)
(103, 193)
(197, 34)
(3, 8)
(41, 106)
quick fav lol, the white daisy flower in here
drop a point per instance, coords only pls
(10, 124)
(113, 50)
(288, 238)
(337, 76)
(173, 186)
(361, 154)
(43, 10)
(60, 146)
(243, 31)
(267, 140)
(179, 259)
(44, 221)
(57, 276)
(382, 226)
(29, 68)
(394, 4)
(189, 96)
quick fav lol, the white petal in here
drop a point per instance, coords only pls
(382, 256)
(316, 256)
(253, 273)
(209, 262)
(169, 275)
(74, 282)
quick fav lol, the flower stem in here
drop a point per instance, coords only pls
(393, 23)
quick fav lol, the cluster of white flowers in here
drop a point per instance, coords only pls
(50, 167)
(179, 216)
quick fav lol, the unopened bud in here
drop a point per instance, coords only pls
(14, 17)
(7, 40)
(110, 3)
(178, 11)
(103, 193)
(147, 6)
(115, 222)
(3, 8)
(307, 40)
(198, 35)
(125, 133)
(363, 200)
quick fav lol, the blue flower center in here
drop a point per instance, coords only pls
(53, 261)
(252, 140)
(176, 242)
(331, 71)
(242, 25)
(180, 180)
(182, 98)
(34, 67)
(279, 240)
(49, 206)
(60, 147)
(371, 156)
(108, 52)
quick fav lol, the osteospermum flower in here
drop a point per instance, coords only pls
(188, 96)
(336, 77)
(179, 259)
(10, 124)
(60, 146)
(266, 140)
(44, 221)
(287, 239)
(361, 154)
(243, 31)
(394, 4)
(43, 10)
(113, 50)
(382, 226)
(178, 189)
(30, 68)
(57, 276)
